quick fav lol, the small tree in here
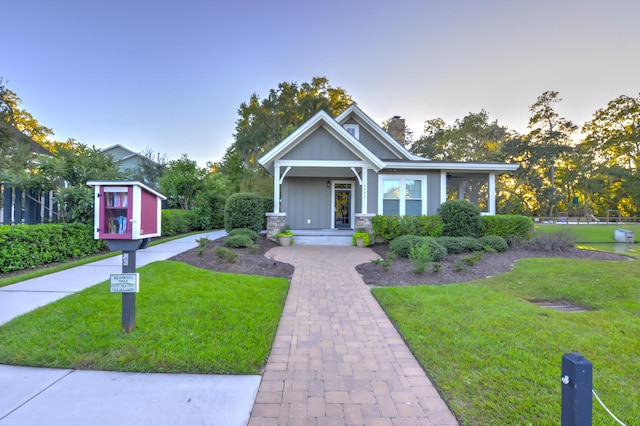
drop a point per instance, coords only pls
(244, 210)
(460, 218)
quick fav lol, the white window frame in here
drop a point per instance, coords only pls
(403, 199)
(355, 128)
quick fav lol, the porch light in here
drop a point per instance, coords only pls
(328, 184)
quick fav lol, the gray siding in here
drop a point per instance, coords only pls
(372, 143)
(433, 192)
(320, 145)
(307, 199)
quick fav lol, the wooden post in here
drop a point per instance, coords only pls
(128, 299)
(577, 386)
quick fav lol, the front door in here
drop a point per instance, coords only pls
(342, 202)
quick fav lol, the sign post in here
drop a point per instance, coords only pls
(126, 215)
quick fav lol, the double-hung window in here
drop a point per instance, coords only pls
(402, 195)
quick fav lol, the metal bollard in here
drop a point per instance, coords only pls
(577, 386)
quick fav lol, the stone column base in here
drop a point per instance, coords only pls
(275, 222)
(364, 220)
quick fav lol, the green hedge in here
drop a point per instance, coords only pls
(509, 227)
(30, 246)
(175, 222)
(390, 227)
(457, 245)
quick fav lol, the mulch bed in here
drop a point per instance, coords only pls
(400, 274)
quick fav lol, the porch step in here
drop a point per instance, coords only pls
(323, 237)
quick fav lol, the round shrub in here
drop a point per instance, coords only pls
(494, 242)
(246, 232)
(401, 246)
(237, 241)
(438, 251)
(244, 210)
(460, 218)
(457, 245)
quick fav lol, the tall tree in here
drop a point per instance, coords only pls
(21, 119)
(552, 133)
(264, 123)
(472, 138)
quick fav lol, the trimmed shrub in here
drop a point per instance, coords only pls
(460, 218)
(438, 251)
(494, 242)
(225, 254)
(509, 227)
(237, 241)
(457, 245)
(175, 222)
(401, 246)
(391, 227)
(244, 210)
(246, 232)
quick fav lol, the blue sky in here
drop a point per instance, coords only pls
(171, 74)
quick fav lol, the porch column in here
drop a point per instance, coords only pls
(276, 188)
(492, 193)
(443, 187)
(364, 190)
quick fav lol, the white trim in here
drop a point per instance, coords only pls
(355, 128)
(276, 189)
(443, 187)
(323, 119)
(454, 167)
(402, 179)
(284, 174)
(492, 194)
(365, 189)
(399, 150)
(320, 163)
(355, 172)
(107, 183)
(352, 201)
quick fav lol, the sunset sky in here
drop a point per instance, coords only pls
(170, 75)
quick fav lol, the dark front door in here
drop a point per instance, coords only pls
(343, 208)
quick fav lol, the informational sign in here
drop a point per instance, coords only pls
(125, 283)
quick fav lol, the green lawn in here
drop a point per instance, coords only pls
(592, 233)
(189, 320)
(496, 358)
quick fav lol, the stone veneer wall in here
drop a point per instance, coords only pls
(275, 222)
(364, 221)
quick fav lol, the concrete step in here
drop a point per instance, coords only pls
(329, 237)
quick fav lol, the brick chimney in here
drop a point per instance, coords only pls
(397, 129)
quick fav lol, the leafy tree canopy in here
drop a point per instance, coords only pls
(262, 123)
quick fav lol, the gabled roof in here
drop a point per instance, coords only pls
(130, 154)
(385, 138)
(403, 158)
(320, 119)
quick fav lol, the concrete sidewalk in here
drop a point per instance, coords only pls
(42, 396)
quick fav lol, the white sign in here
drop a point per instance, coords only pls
(125, 283)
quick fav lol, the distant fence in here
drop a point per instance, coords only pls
(586, 219)
(28, 207)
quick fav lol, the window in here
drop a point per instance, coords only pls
(403, 195)
(353, 129)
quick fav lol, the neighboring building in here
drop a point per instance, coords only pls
(125, 158)
(131, 162)
(337, 173)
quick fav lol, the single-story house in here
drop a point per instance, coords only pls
(337, 173)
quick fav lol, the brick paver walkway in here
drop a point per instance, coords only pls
(337, 359)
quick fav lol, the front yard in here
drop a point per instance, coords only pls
(496, 357)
